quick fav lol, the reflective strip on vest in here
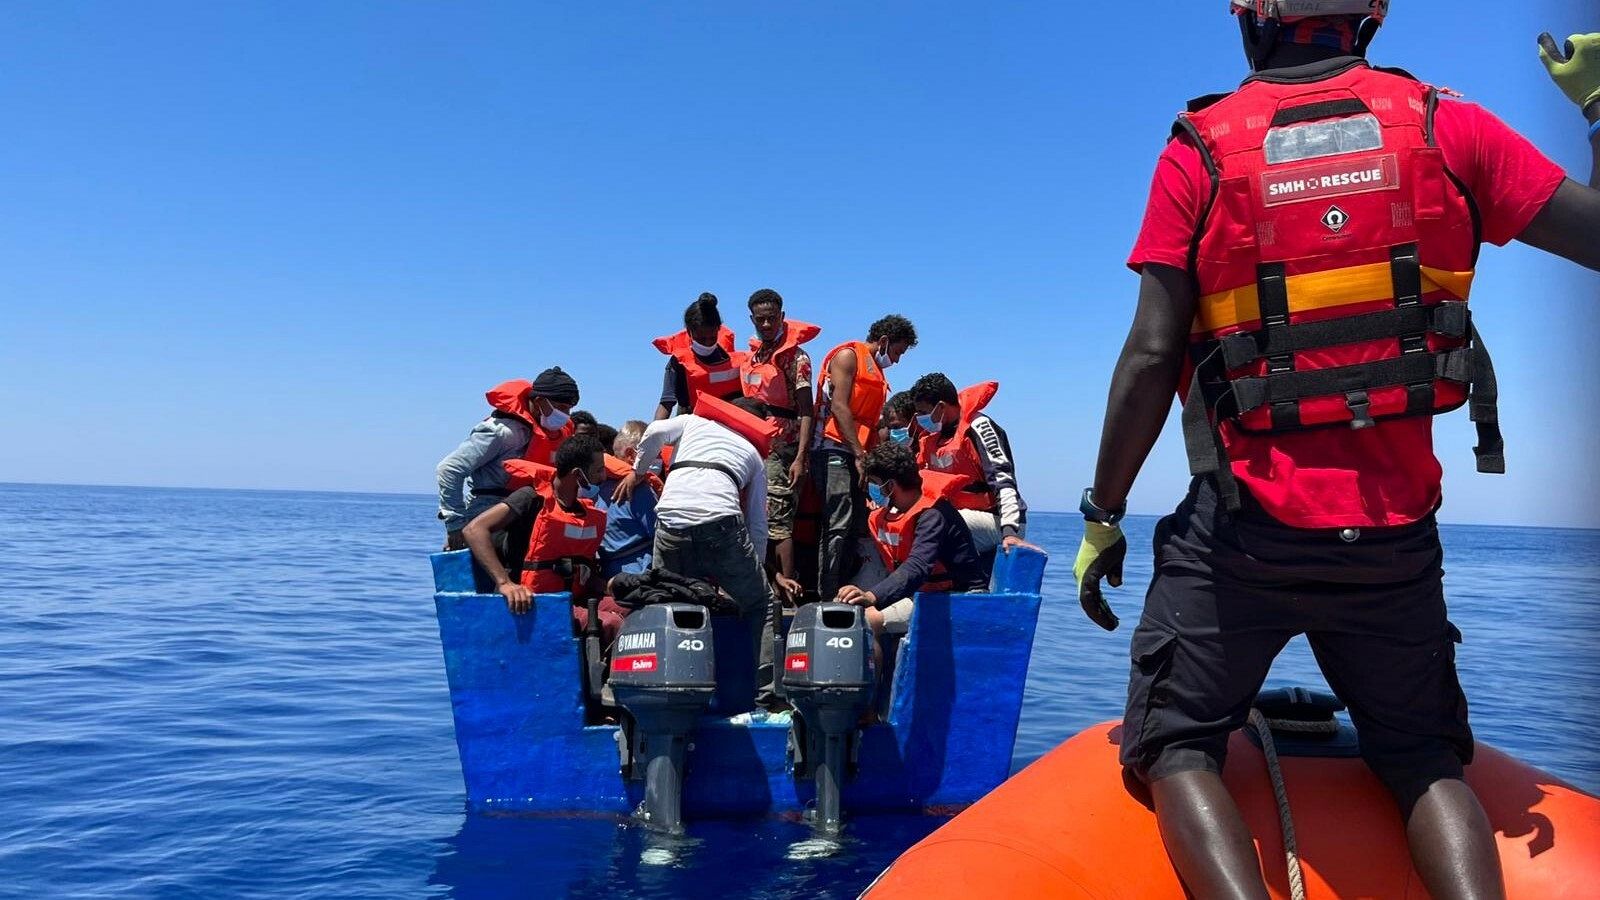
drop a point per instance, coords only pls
(579, 532)
(718, 375)
(1323, 290)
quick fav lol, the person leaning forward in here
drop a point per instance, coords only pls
(712, 513)
(850, 398)
(560, 527)
(1356, 195)
(921, 537)
(528, 421)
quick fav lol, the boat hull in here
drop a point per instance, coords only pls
(956, 695)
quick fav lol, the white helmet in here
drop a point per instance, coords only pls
(1290, 10)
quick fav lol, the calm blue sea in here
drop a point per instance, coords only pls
(240, 694)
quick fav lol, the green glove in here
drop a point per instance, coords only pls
(1099, 556)
(1576, 71)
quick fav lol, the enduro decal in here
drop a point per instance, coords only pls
(645, 662)
(796, 662)
(1333, 179)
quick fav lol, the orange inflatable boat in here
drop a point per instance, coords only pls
(1068, 827)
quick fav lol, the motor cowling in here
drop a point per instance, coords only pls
(829, 678)
(663, 672)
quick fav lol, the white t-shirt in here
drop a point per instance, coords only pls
(695, 496)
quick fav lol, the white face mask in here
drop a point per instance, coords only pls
(702, 349)
(554, 420)
(882, 358)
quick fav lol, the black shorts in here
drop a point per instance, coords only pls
(1231, 590)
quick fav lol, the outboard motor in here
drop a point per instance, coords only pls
(663, 673)
(828, 677)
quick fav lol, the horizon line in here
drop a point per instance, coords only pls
(262, 490)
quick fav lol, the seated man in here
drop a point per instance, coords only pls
(631, 523)
(563, 528)
(920, 537)
(899, 422)
(960, 440)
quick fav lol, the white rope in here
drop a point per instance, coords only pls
(1263, 729)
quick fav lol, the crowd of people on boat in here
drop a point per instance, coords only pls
(775, 484)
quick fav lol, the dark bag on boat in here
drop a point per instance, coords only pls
(661, 586)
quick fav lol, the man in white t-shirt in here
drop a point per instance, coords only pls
(712, 514)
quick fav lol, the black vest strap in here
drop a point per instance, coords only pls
(697, 464)
(1448, 319)
(1272, 292)
(1484, 408)
(1203, 442)
(1448, 365)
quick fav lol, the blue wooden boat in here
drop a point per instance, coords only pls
(945, 740)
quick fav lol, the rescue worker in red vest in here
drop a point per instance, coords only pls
(712, 514)
(529, 419)
(777, 372)
(960, 440)
(1323, 218)
(850, 399)
(563, 529)
(701, 359)
(919, 535)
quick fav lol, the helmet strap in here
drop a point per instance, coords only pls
(1364, 35)
(1260, 38)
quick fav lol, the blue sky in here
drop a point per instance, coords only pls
(289, 245)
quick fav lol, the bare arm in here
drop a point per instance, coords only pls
(1145, 380)
(842, 375)
(1569, 225)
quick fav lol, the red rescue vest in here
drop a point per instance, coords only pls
(1333, 261)
(764, 374)
(867, 395)
(561, 535)
(958, 457)
(717, 379)
(759, 432)
(894, 533)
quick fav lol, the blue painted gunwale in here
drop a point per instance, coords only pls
(947, 740)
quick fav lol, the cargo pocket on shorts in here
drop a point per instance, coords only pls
(1151, 652)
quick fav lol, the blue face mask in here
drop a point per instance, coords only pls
(900, 435)
(927, 423)
(586, 490)
(554, 420)
(876, 494)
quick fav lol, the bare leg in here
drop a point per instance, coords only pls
(875, 621)
(1452, 844)
(1206, 837)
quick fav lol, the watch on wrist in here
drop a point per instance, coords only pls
(1093, 513)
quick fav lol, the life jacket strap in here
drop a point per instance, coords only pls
(698, 464)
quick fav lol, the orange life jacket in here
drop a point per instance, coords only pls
(618, 469)
(717, 379)
(957, 456)
(894, 533)
(867, 395)
(561, 535)
(763, 373)
(510, 400)
(759, 432)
